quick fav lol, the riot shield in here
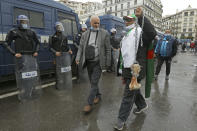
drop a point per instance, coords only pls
(63, 71)
(27, 77)
(115, 56)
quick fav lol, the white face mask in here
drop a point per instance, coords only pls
(24, 26)
(94, 29)
(167, 34)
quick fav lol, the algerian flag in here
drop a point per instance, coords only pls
(149, 70)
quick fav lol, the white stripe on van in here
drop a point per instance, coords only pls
(44, 38)
(2, 36)
(70, 41)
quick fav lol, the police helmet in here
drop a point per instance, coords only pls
(59, 27)
(23, 21)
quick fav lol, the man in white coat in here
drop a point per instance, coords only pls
(130, 55)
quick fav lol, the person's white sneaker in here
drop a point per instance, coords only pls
(119, 125)
(138, 111)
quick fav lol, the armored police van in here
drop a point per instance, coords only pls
(42, 15)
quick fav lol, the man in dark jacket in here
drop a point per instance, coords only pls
(58, 42)
(148, 35)
(25, 52)
(26, 41)
(165, 50)
(59, 46)
(115, 47)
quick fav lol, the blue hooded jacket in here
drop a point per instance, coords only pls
(165, 45)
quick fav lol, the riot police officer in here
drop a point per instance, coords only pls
(59, 46)
(26, 41)
(26, 50)
(58, 42)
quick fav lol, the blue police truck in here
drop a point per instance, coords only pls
(42, 16)
(108, 22)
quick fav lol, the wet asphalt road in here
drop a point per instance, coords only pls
(172, 106)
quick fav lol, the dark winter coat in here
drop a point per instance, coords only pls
(58, 43)
(25, 40)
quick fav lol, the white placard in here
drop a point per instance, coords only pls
(31, 74)
(66, 69)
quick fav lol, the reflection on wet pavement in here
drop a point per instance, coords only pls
(172, 106)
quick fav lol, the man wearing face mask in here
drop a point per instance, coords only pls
(26, 41)
(115, 45)
(26, 50)
(59, 46)
(94, 53)
(165, 50)
(58, 42)
(130, 48)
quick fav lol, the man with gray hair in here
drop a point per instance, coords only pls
(94, 53)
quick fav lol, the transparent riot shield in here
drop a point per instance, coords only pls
(27, 77)
(115, 57)
(63, 71)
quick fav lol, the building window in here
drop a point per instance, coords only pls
(192, 13)
(128, 12)
(190, 24)
(121, 14)
(135, 2)
(190, 29)
(111, 9)
(36, 19)
(190, 35)
(115, 14)
(121, 6)
(191, 19)
(186, 14)
(185, 24)
(184, 30)
(185, 19)
(105, 10)
(116, 8)
(128, 4)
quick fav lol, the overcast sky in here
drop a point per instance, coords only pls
(169, 6)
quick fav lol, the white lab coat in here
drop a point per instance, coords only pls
(128, 46)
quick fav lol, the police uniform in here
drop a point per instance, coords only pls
(58, 43)
(25, 40)
(26, 66)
